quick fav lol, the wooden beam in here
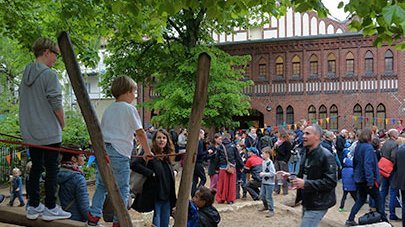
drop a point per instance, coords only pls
(16, 216)
(194, 125)
(93, 126)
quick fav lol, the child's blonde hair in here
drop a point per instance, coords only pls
(16, 171)
(122, 85)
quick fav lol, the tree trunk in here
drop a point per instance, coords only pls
(194, 125)
(93, 127)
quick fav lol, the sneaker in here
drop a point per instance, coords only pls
(350, 223)
(342, 210)
(116, 224)
(92, 220)
(270, 214)
(21, 204)
(55, 214)
(34, 212)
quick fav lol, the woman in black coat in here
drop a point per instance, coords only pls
(159, 188)
(213, 168)
(398, 181)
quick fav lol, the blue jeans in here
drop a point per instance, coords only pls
(121, 172)
(267, 196)
(14, 195)
(362, 191)
(312, 218)
(385, 186)
(161, 215)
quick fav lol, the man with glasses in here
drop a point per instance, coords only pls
(41, 122)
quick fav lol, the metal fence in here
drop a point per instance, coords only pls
(17, 158)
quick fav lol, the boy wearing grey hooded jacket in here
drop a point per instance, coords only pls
(41, 121)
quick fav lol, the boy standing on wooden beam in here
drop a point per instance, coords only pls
(41, 122)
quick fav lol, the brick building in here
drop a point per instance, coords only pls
(304, 67)
(309, 68)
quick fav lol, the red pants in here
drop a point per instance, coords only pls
(226, 188)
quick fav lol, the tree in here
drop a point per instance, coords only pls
(384, 18)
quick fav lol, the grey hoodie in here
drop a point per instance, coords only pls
(40, 95)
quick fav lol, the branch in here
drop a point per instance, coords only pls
(174, 25)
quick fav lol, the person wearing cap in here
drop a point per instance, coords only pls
(254, 167)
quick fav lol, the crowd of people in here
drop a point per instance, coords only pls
(255, 162)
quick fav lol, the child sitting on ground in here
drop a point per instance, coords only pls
(268, 175)
(208, 215)
(16, 188)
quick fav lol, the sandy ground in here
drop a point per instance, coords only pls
(244, 212)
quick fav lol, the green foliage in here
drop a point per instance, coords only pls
(75, 131)
(382, 17)
(225, 97)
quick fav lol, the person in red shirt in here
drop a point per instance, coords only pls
(254, 167)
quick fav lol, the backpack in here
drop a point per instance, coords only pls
(266, 141)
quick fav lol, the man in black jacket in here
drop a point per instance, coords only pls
(316, 180)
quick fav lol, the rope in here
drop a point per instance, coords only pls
(66, 150)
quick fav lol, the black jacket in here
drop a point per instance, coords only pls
(283, 152)
(213, 161)
(398, 181)
(208, 217)
(318, 193)
(233, 155)
(152, 188)
(340, 144)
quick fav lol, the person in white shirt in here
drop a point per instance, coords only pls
(120, 121)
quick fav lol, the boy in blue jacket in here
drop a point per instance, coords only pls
(349, 186)
(16, 186)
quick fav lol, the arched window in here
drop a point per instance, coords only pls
(333, 118)
(369, 114)
(323, 114)
(296, 66)
(357, 115)
(381, 116)
(313, 62)
(311, 113)
(388, 62)
(279, 115)
(331, 64)
(279, 68)
(262, 70)
(369, 63)
(349, 64)
(290, 115)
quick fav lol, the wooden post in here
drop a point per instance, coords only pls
(194, 125)
(93, 127)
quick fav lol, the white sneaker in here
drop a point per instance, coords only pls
(34, 212)
(55, 213)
